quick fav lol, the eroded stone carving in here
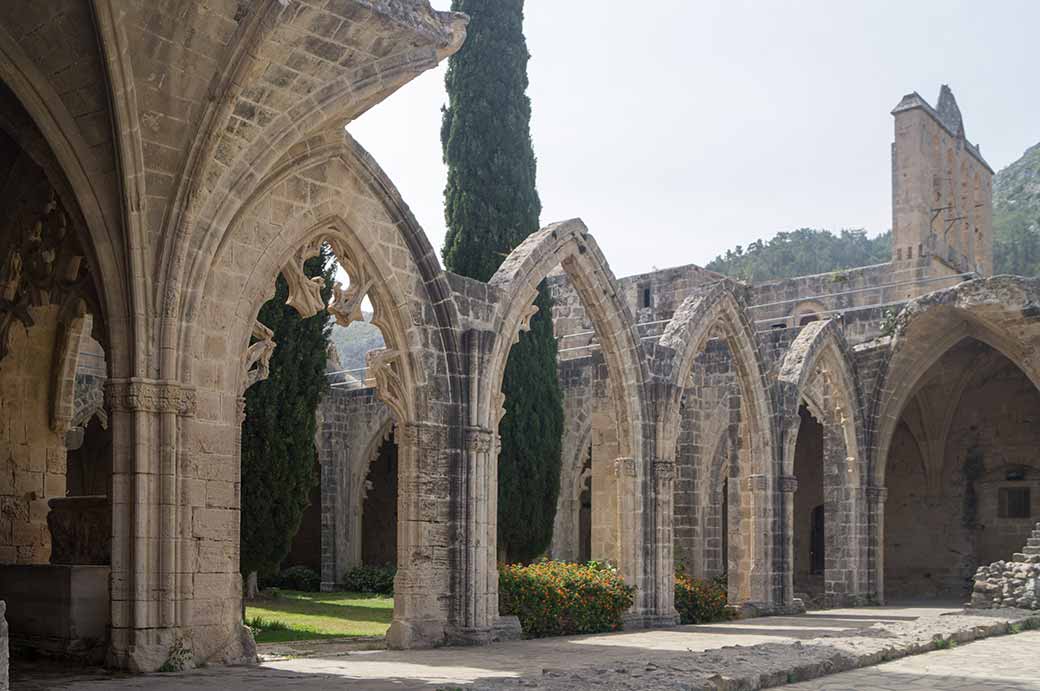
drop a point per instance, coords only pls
(346, 304)
(387, 367)
(257, 364)
(525, 321)
(42, 267)
(150, 396)
(304, 293)
(625, 467)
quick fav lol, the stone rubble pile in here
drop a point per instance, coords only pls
(1014, 583)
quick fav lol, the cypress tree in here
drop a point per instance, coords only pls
(490, 206)
(278, 450)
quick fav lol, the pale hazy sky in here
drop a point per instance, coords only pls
(678, 129)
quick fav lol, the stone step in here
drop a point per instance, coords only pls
(1031, 550)
(1033, 542)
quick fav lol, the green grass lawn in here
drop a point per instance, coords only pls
(300, 616)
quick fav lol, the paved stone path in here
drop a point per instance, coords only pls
(663, 658)
(1005, 663)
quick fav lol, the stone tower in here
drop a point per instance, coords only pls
(942, 202)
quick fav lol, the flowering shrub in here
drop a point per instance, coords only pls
(555, 598)
(699, 601)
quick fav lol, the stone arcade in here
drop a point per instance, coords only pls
(169, 160)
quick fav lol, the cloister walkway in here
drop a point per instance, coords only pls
(640, 659)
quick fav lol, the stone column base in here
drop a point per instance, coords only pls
(405, 635)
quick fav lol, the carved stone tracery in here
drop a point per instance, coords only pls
(257, 363)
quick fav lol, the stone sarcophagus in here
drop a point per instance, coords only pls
(81, 530)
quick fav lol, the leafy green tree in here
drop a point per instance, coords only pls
(803, 252)
(491, 205)
(278, 451)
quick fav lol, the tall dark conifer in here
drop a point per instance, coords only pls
(491, 205)
(278, 451)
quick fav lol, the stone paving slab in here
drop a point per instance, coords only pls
(746, 654)
(995, 664)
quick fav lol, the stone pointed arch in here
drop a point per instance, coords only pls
(818, 370)
(1003, 312)
(569, 245)
(233, 154)
(821, 354)
(77, 164)
(717, 309)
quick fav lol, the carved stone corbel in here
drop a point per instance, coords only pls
(387, 367)
(625, 467)
(257, 362)
(304, 293)
(525, 321)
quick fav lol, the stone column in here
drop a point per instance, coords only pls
(631, 561)
(423, 585)
(151, 595)
(787, 486)
(763, 534)
(876, 542)
(335, 515)
(663, 613)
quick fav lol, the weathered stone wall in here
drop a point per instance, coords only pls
(354, 423)
(4, 652)
(32, 454)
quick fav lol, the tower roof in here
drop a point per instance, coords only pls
(948, 114)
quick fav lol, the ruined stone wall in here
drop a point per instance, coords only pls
(32, 454)
(354, 423)
(1010, 583)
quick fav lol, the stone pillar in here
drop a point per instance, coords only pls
(152, 590)
(876, 543)
(762, 533)
(423, 585)
(632, 563)
(663, 613)
(787, 486)
(335, 515)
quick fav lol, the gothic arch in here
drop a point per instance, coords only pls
(568, 244)
(717, 310)
(686, 336)
(233, 166)
(818, 370)
(819, 348)
(998, 311)
(75, 164)
(514, 286)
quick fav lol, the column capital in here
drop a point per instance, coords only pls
(479, 439)
(150, 395)
(664, 469)
(787, 484)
